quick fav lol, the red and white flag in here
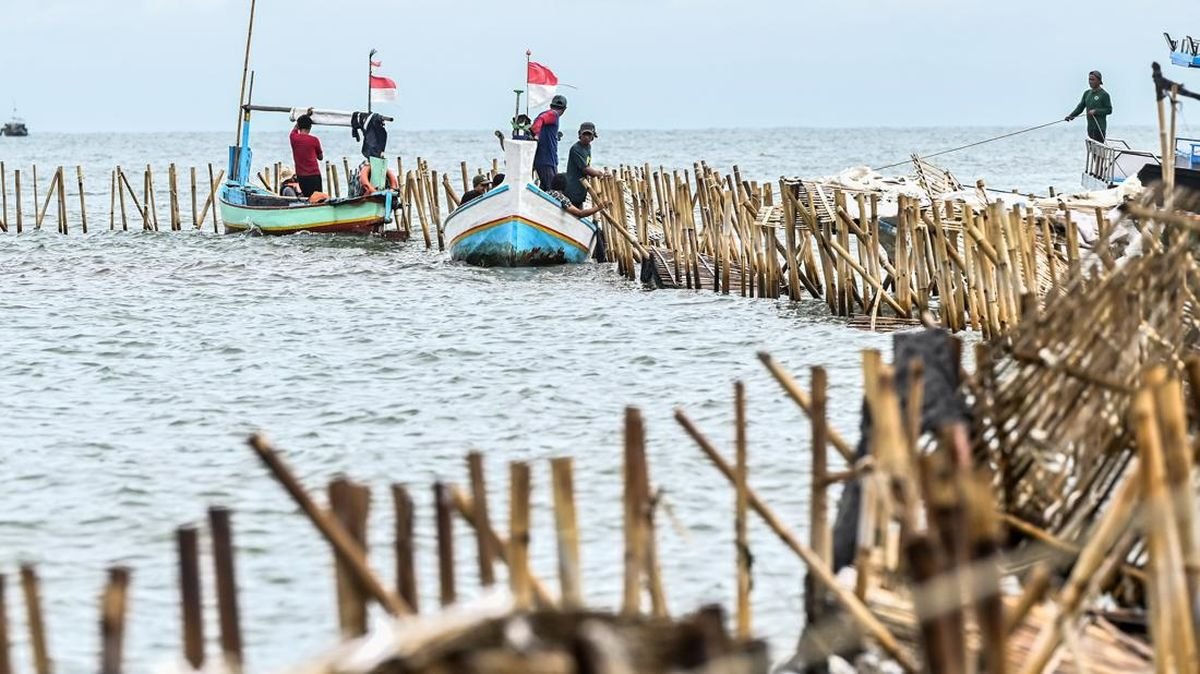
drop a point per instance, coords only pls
(383, 89)
(542, 84)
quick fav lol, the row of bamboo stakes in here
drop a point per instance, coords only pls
(949, 531)
(968, 267)
(343, 525)
(421, 192)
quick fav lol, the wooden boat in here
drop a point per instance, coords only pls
(1184, 51)
(15, 126)
(517, 224)
(246, 207)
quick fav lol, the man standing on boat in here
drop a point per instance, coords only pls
(306, 152)
(579, 164)
(1098, 105)
(545, 130)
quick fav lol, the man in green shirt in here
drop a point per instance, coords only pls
(1098, 105)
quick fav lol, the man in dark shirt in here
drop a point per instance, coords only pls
(579, 165)
(545, 129)
(479, 186)
(1098, 105)
(306, 152)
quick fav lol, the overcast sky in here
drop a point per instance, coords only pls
(167, 65)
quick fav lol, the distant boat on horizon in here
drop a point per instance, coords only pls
(15, 126)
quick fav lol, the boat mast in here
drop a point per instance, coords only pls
(245, 69)
(370, 73)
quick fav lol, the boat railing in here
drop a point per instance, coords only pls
(1100, 166)
(1187, 153)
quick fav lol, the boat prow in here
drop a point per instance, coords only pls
(517, 224)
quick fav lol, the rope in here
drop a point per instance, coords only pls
(963, 147)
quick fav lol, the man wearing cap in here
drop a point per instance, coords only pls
(579, 164)
(479, 186)
(545, 130)
(1098, 105)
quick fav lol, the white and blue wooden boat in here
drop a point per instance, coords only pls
(1185, 51)
(517, 224)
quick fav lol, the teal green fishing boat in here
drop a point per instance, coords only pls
(245, 207)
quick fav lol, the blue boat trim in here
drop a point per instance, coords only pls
(478, 200)
(538, 191)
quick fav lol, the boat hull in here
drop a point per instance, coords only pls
(363, 215)
(522, 227)
(517, 224)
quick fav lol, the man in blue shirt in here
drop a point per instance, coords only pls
(579, 165)
(545, 129)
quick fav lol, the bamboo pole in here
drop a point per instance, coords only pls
(406, 574)
(3, 203)
(1103, 537)
(173, 189)
(462, 503)
(112, 621)
(225, 579)
(466, 184)
(792, 388)
(333, 531)
(212, 198)
(37, 628)
(195, 206)
(5, 658)
(1173, 632)
(40, 215)
(150, 212)
(447, 592)
(518, 550)
(858, 610)
(820, 536)
(567, 530)
(17, 186)
(120, 178)
(479, 501)
(82, 203)
(38, 220)
(62, 202)
(350, 503)
(742, 546)
(635, 503)
(189, 596)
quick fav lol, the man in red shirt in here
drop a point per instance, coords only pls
(306, 151)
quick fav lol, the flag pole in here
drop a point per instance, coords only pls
(528, 56)
(370, 60)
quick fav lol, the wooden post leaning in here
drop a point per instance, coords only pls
(858, 610)
(333, 531)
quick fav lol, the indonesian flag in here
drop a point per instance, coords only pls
(383, 89)
(542, 84)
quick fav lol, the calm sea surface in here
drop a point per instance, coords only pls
(133, 366)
